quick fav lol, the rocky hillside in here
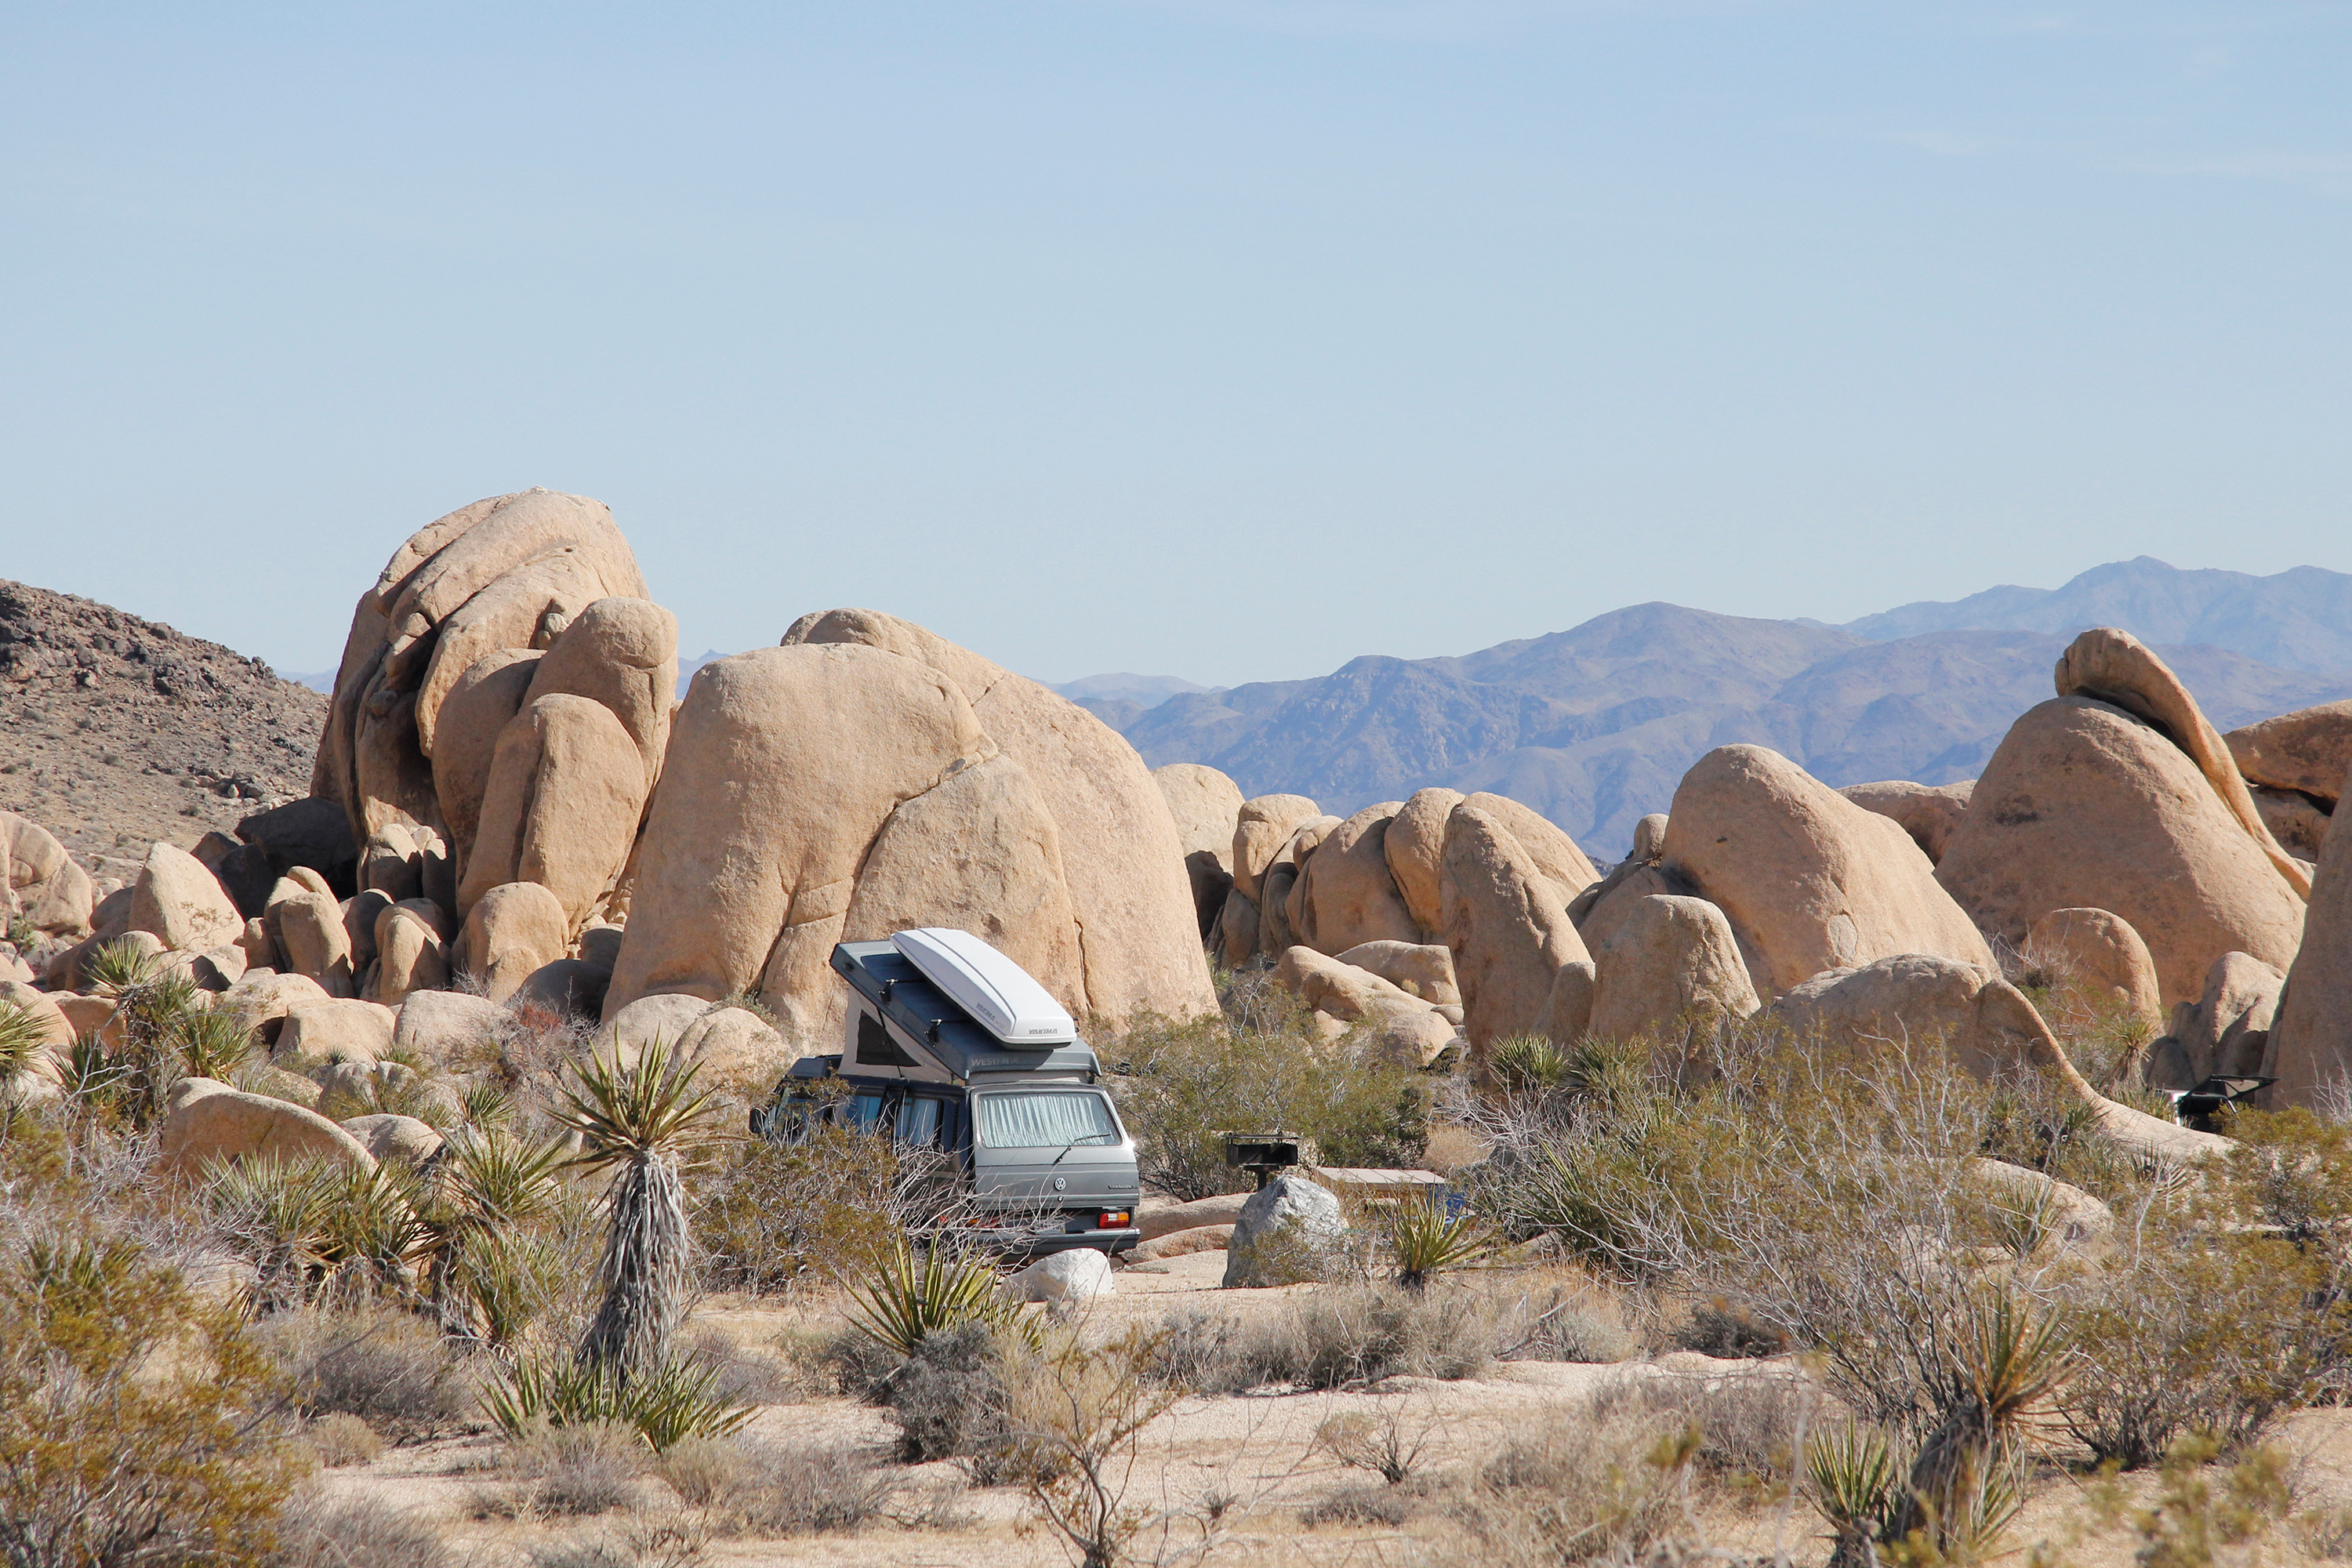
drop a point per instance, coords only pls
(1594, 726)
(117, 731)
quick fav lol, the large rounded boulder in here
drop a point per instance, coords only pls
(1125, 875)
(1507, 925)
(1205, 806)
(833, 790)
(2085, 805)
(1810, 881)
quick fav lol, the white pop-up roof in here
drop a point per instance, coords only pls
(997, 993)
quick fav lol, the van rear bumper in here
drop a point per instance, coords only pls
(1104, 1241)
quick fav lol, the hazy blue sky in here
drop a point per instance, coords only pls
(1225, 339)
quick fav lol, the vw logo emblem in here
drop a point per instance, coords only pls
(1061, 1183)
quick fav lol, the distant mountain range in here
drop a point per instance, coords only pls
(1595, 726)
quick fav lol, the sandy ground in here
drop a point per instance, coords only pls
(1256, 1449)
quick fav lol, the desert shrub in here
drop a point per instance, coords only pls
(385, 1366)
(2202, 1326)
(1559, 1327)
(1389, 1442)
(949, 1398)
(136, 1424)
(743, 1374)
(589, 1467)
(1262, 1068)
(1728, 1331)
(65, 1169)
(771, 1215)
(339, 1439)
(1752, 1430)
(1389, 1506)
(786, 1491)
(356, 1533)
(854, 1363)
(1076, 1410)
(2205, 1514)
(699, 1468)
(2034, 1122)
(1333, 1338)
(1578, 1487)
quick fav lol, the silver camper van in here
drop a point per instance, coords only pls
(953, 1047)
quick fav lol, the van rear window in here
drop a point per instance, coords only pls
(1044, 1120)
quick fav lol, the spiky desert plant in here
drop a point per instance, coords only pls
(149, 1017)
(1426, 1240)
(666, 1404)
(114, 967)
(638, 1123)
(476, 1255)
(85, 1073)
(485, 1106)
(1855, 1485)
(274, 1212)
(211, 1044)
(21, 1034)
(2007, 1358)
(905, 1299)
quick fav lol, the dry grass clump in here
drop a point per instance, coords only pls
(387, 1367)
(338, 1439)
(1345, 1337)
(581, 1471)
(358, 1532)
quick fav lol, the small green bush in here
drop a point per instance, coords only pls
(1266, 1070)
(136, 1424)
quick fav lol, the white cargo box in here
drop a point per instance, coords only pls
(996, 992)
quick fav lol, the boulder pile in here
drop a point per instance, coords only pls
(513, 814)
(2145, 872)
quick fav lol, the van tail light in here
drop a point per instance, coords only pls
(1115, 1219)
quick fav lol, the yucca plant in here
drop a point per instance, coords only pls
(907, 1298)
(87, 1073)
(638, 1123)
(211, 1044)
(370, 1229)
(151, 1015)
(275, 1211)
(1426, 1240)
(485, 1106)
(21, 1034)
(2006, 1359)
(473, 1219)
(1856, 1486)
(666, 1402)
(114, 967)
(1528, 1061)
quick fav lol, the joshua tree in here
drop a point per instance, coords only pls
(636, 1121)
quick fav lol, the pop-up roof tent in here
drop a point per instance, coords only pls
(938, 1006)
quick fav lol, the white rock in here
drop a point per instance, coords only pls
(1071, 1275)
(1282, 1233)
